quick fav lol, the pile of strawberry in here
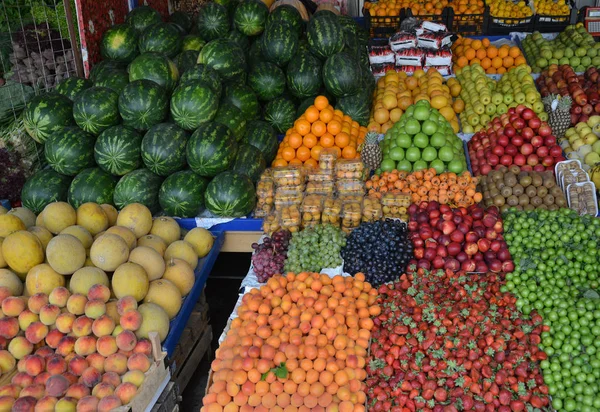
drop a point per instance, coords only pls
(446, 341)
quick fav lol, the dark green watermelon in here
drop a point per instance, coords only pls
(348, 23)
(96, 109)
(250, 17)
(192, 104)
(183, 20)
(193, 42)
(204, 73)
(103, 67)
(114, 79)
(281, 114)
(305, 104)
(288, 14)
(224, 56)
(139, 186)
(211, 149)
(357, 106)
(92, 185)
(304, 75)
(177, 27)
(351, 45)
(241, 39)
(267, 81)
(230, 194)
(249, 161)
(161, 38)
(44, 187)
(325, 36)
(142, 17)
(142, 104)
(242, 97)
(261, 135)
(70, 150)
(341, 75)
(120, 43)
(117, 150)
(182, 194)
(255, 54)
(232, 117)
(213, 21)
(163, 149)
(47, 113)
(279, 43)
(156, 67)
(71, 86)
(186, 60)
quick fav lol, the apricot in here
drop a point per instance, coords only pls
(90, 377)
(117, 362)
(35, 390)
(56, 365)
(34, 365)
(19, 347)
(24, 404)
(49, 313)
(126, 392)
(53, 338)
(26, 318)
(46, 403)
(36, 332)
(10, 390)
(131, 320)
(138, 361)
(95, 308)
(9, 327)
(103, 326)
(99, 292)
(66, 404)
(126, 340)
(64, 322)
(13, 306)
(85, 345)
(135, 376)
(82, 326)
(77, 365)
(22, 379)
(143, 346)
(6, 403)
(76, 304)
(35, 302)
(103, 389)
(42, 378)
(125, 304)
(66, 345)
(106, 345)
(45, 352)
(59, 296)
(96, 361)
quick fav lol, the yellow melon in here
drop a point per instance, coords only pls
(3, 263)
(9, 224)
(166, 228)
(88, 262)
(154, 242)
(81, 233)
(136, 217)
(125, 233)
(154, 319)
(201, 240)
(86, 277)
(180, 273)
(43, 279)
(3, 210)
(111, 213)
(109, 251)
(97, 235)
(166, 295)
(92, 217)
(22, 251)
(112, 312)
(11, 281)
(65, 254)
(182, 250)
(39, 220)
(59, 216)
(148, 258)
(26, 215)
(42, 234)
(130, 279)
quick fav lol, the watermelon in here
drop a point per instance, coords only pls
(224, 56)
(213, 21)
(267, 81)
(44, 187)
(305, 104)
(139, 186)
(279, 43)
(163, 149)
(204, 73)
(186, 60)
(103, 67)
(142, 17)
(325, 36)
(357, 106)
(211, 149)
(192, 42)
(92, 185)
(178, 28)
(348, 23)
(142, 104)
(47, 113)
(232, 117)
(281, 114)
(114, 79)
(183, 20)
(250, 17)
(341, 75)
(182, 194)
(230, 194)
(288, 14)
(70, 150)
(261, 135)
(192, 104)
(242, 97)
(241, 39)
(96, 109)
(161, 38)
(304, 75)
(117, 150)
(255, 54)
(156, 67)
(249, 161)
(71, 86)
(119, 43)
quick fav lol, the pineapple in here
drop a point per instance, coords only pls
(560, 118)
(371, 152)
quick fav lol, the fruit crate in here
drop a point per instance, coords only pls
(547, 23)
(381, 27)
(468, 24)
(443, 18)
(507, 25)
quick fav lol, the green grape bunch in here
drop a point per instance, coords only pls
(315, 248)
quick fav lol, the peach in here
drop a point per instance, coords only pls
(127, 353)
(103, 389)
(49, 313)
(109, 403)
(57, 386)
(99, 292)
(36, 302)
(56, 365)
(34, 365)
(77, 365)
(64, 322)
(53, 338)
(103, 326)
(20, 347)
(125, 304)
(10, 390)
(12, 306)
(118, 329)
(9, 327)
(59, 296)
(90, 377)
(69, 357)
(96, 361)
(106, 345)
(126, 392)
(143, 346)
(112, 312)
(44, 352)
(85, 345)
(71, 378)
(5, 292)
(3, 343)
(66, 345)
(82, 326)
(126, 340)
(6, 403)
(76, 304)
(131, 320)
(42, 378)
(117, 362)
(25, 404)
(26, 318)
(112, 379)
(78, 391)
(47, 403)
(36, 390)
(22, 379)
(95, 308)
(136, 377)
(139, 361)
(88, 404)
(7, 361)
(66, 404)
(36, 332)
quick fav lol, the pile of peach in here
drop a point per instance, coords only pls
(71, 351)
(300, 342)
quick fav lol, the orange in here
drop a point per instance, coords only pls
(334, 127)
(501, 70)
(327, 140)
(295, 162)
(486, 62)
(349, 152)
(492, 52)
(481, 53)
(312, 114)
(514, 52)
(485, 42)
(381, 116)
(462, 61)
(342, 140)
(491, 70)
(411, 83)
(470, 54)
(318, 128)
(508, 62)
(295, 140)
(497, 62)
(326, 115)
(476, 44)
(303, 153)
(279, 163)
(288, 153)
(316, 151)
(310, 140)
(302, 127)
(321, 102)
(503, 51)
(519, 60)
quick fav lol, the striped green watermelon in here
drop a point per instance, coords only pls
(204, 73)
(161, 38)
(341, 75)
(288, 14)
(255, 54)
(96, 109)
(117, 150)
(142, 104)
(232, 117)
(250, 17)
(213, 21)
(192, 104)
(70, 150)
(119, 43)
(224, 56)
(71, 86)
(241, 39)
(114, 79)
(47, 113)
(304, 75)
(325, 36)
(186, 60)
(177, 27)
(357, 106)
(211, 149)
(249, 161)
(281, 114)
(163, 149)
(242, 97)
(182, 194)
(183, 20)
(105, 66)
(279, 43)
(305, 104)
(44, 187)
(193, 42)
(156, 67)
(261, 135)
(92, 185)
(230, 194)
(142, 17)
(267, 81)
(139, 186)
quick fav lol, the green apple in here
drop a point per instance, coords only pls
(429, 127)
(592, 52)
(397, 153)
(596, 61)
(484, 119)
(404, 165)
(429, 154)
(568, 52)
(437, 140)
(508, 98)
(574, 61)
(387, 165)
(596, 147)
(485, 98)
(590, 138)
(586, 61)
(520, 97)
(438, 165)
(446, 153)
(473, 120)
(502, 108)
(543, 116)
(490, 109)
(577, 144)
(404, 140)
(497, 98)
(421, 140)
(412, 127)
(558, 54)
(412, 154)
(542, 62)
(538, 107)
(593, 120)
(419, 165)
(580, 52)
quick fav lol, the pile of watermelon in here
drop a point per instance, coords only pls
(183, 115)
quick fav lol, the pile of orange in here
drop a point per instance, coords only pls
(389, 8)
(320, 127)
(299, 343)
(461, 7)
(494, 60)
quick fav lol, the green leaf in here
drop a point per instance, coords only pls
(591, 294)
(281, 371)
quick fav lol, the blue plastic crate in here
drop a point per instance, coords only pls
(249, 224)
(5, 203)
